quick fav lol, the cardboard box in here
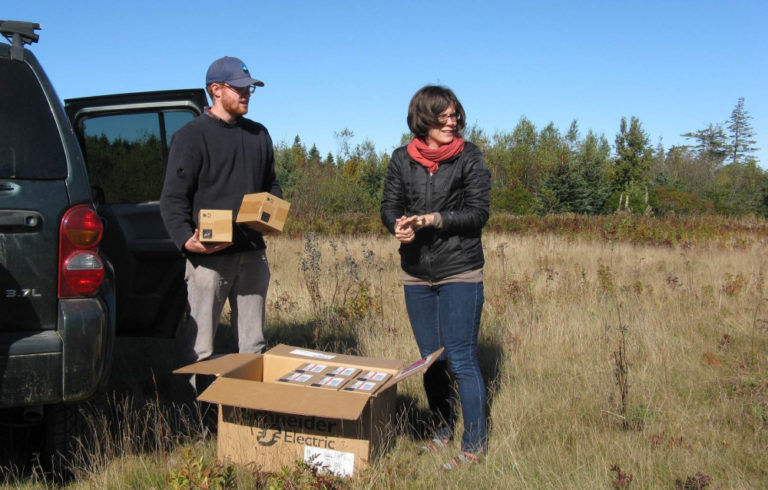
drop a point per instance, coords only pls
(263, 212)
(273, 424)
(215, 225)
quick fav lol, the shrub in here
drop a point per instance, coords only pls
(515, 201)
(672, 201)
(637, 200)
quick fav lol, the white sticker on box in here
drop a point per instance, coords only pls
(353, 386)
(344, 371)
(330, 381)
(337, 462)
(298, 377)
(374, 376)
(317, 368)
(316, 355)
(361, 385)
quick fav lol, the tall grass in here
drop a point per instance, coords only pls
(688, 323)
(608, 364)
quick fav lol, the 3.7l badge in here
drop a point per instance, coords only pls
(22, 293)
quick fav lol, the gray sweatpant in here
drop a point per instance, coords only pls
(241, 277)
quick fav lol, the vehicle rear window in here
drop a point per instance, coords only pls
(126, 153)
(30, 144)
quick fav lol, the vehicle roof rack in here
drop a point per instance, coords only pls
(19, 33)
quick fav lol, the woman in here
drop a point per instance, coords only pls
(435, 201)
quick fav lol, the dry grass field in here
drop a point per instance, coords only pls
(608, 365)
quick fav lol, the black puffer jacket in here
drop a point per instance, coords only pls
(460, 191)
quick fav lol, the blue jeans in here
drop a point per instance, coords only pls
(448, 316)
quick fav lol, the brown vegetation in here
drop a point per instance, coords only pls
(612, 359)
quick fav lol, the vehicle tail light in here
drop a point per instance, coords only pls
(81, 270)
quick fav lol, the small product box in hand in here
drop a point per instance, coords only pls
(215, 225)
(263, 212)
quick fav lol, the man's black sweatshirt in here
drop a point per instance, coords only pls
(211, 165)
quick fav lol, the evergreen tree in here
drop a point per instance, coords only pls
(659, 170)
(711, 142)
(633, 155)
(591, 161)
(552, 148)
(285, 168)
(313, 157)
(578, 185)
(524, 167)
(298, 153)
(572, 136)
(741, 134)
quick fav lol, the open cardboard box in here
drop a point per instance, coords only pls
(273, 424)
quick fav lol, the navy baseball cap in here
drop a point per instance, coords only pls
(232, 71)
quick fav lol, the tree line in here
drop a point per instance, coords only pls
(544, 170)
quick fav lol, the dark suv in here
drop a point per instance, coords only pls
(83, 251)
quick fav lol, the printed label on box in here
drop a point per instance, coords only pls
(330, 381)
(361, 385)
(345, 372)
(376, 376)
(312, 368)
(296, 377)
(337, 462)
(316, 355)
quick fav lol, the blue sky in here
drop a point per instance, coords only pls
(334, 64)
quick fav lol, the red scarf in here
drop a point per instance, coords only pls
(430, 157)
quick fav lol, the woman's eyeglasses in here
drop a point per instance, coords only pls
(444, 118)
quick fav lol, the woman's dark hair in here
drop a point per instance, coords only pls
(427, 104)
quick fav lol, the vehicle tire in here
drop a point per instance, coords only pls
(64, 432)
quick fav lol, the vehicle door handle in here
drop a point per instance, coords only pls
(8, 187)
(23, 219)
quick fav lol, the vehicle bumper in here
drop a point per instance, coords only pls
(64, 365)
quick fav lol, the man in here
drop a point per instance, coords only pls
(214, 160)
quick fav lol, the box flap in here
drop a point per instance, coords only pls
(417, 367)
(283, 398)
(219, 365)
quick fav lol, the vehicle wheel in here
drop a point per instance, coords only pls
(64, 432)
